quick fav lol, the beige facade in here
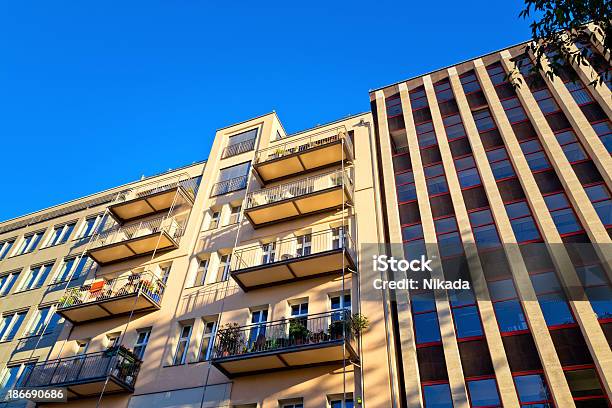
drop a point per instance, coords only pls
(241, 282)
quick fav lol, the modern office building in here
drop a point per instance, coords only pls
(245, 281)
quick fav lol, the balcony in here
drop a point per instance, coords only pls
(296, 258)
(121, 242)
(303, 154)
(228, 186)
(311, 195)
(153, 198)
(85, 375)
(311, 340)
(139, 292)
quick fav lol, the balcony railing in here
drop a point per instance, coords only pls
(284, 343)
(153, 198)
(135, 239)
(85, 374)
(296, 155)
(107, 298)
(308, 185)
(238, 148)
(227, 186)
(294, 258)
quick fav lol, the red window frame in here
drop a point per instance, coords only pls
(418, 96)
(607, 284)
(507, 159)
(441, 175)
(480, 378)
(433, 311)
(543, 377)
(568, 206)
(539, 151)
(470, 167)
(486, 224)
(443, 87)
(392, 102)
(600, 200)
(569, 143)
(530, 215)
(553, 292)
(588, 397)
(404, 184)
(507, 299)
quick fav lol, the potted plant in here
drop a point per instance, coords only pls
(336, 329)
(229, 335)
(298, 332)
(359, 323)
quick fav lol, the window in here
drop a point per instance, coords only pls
(454, 127)
(7, 281)
(570, 146)
(304, 244)
(437, 396)
(426, 135)
(597, 288)
(14, 376)
(240, 143)
(467, 172)
(231, 179)
(522, 222)
(507, 307)
(292, 404)
(435, 179)
(299, 312)
(141, 342)
(514, 110)
(469, 82)
(224, 268)
(449, 241)
(338, 237)
(71, 269)
(604, 131)
(601, 200)
(258, 325)
(483, 393)
(562, 213)
(483, 119)
(200, 278)
(340, 304)
(235, 215)
(268, 253)
(394, 106)
(337, 403)
(414, 242)
(165, 272)
(208, 336)
(584, 385)
(552, 299)
(9, 325)
(418, 98)
(89, 226)
(483, 226)
(496, 73)
(426, 326)
(5, 248)
(406, 189)
(214, 220)
(60, 234)
(535, 155)
(182, 347)
(532, 389)
(500, 164)
(546, 101)
(44, 321)
(36, 276)
(29, 243)
(81, 347)
(112, 340)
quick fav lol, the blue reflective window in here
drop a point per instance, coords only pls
(555, 309)
(483, 393)
(531, 388)
(510, 316)
(422, 301)
(437, 396)
(601, 301)
(467, 322)
(525, 229)
(427, 328)
(502, 289)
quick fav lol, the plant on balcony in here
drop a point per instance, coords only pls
(359, 323)
(71, 297)
(336, 329)
(298, 332)
(229, 335)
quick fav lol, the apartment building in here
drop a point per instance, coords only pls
(245, 281)
(508, 188)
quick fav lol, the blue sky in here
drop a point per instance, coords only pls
(95, 94)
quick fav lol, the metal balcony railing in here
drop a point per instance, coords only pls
(189, 186)
(298, 188)
(227, 186)
(124, 232)
(238, 148)
(120, 365)
(145, 283)
(283, 335)
(293, 248)
(292, 146)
